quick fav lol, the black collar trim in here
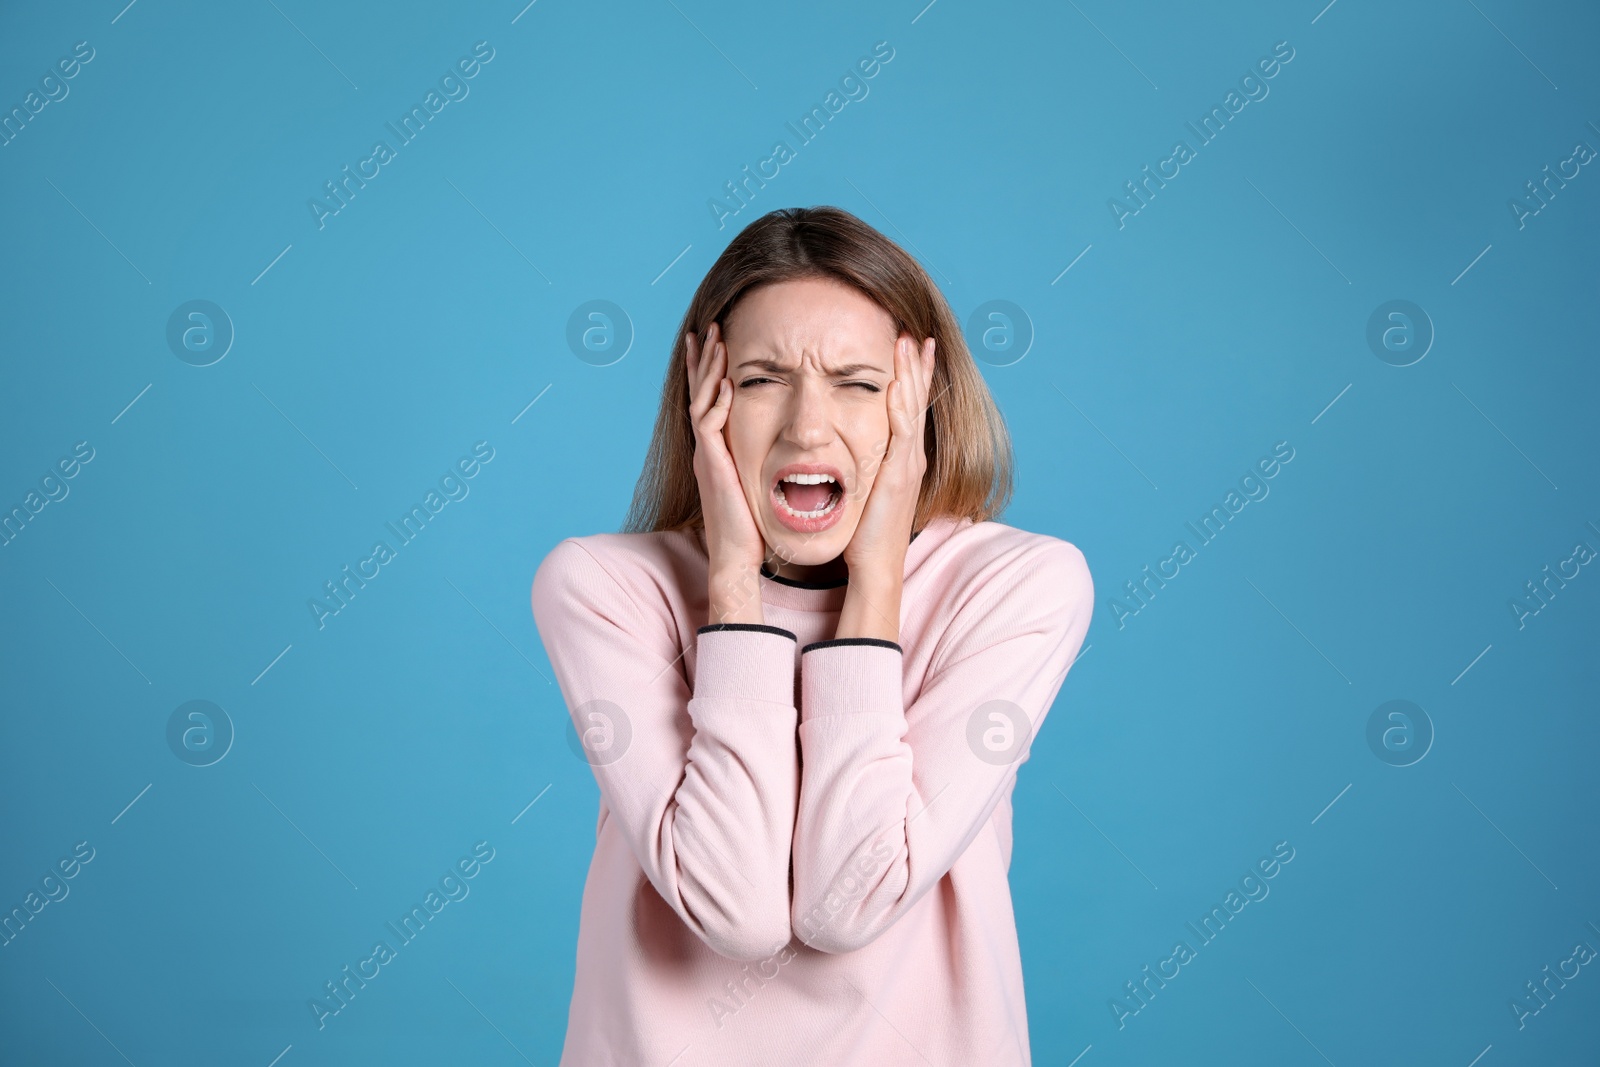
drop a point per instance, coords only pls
(798, 584)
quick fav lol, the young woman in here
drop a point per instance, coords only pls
(805, 679)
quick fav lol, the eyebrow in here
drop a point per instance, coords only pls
(772, 366)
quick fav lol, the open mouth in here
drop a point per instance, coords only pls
(808, 501)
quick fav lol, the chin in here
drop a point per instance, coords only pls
(809, 550)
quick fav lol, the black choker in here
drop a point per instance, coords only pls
(798, 584)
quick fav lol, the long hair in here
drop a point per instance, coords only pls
(969, 470)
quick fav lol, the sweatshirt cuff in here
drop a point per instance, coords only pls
(852, 676)
(744, 661)
(757, 627)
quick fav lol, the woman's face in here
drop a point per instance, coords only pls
(810, 361)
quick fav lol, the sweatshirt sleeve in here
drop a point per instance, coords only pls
(891, 796)
(703, 785)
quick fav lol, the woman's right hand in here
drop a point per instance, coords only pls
(733, 542)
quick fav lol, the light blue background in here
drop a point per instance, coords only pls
(1226, 316)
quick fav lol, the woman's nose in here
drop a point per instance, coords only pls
(810, 419)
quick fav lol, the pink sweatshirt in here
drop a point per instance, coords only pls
(803, 844)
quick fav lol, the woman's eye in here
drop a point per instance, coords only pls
(867, 386)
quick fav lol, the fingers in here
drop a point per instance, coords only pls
(911, 396)
(908, 396)
(691, 361)
(718, 389)
(698, 349)
(710, 389)
(901, 395)
(702, 363)
(711, 409)
(717, 417)
(913, 365)
(912, 371)
(719, 352)
(922, 374)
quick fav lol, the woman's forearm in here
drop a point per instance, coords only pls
(871, 608)
(734, 595)
(900, 773)
(699, 778)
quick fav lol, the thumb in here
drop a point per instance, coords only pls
(717, 416)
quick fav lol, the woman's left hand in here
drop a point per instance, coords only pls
(876, 553)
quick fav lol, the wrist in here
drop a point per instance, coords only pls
(871, 609)
(878, 574)
(734, 595)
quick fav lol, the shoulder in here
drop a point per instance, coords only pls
(995, 549)
(598, 569)
(986, 563)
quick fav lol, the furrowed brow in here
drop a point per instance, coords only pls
(847, 370)
(771, 366)
(844, 370)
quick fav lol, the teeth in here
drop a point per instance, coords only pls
(823, 510)
(810, 479)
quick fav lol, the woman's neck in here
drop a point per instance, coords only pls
(834, 570)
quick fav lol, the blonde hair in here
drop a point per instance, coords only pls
(969, 471)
